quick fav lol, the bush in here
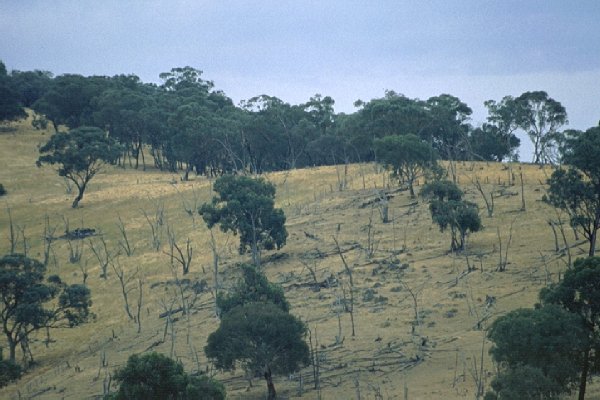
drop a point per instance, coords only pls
(2, 190)
(9, 371)
(523, 382)
(253, 287)
(154, 376)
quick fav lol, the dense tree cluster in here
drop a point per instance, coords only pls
(186, 124)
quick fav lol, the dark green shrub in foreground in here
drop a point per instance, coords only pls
(2, 190)
(154, 376)
(9, 371)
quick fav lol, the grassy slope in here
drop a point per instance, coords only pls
(436, 361)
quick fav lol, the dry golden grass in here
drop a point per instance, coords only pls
(436, 360)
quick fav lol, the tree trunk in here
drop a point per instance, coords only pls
(12, 346)
(594, 234)
(255, 251)
(79, 196)
(584, 374)
(592, 251)
(272, 395)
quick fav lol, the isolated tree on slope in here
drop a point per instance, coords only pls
(263, 337)
(26, 300)
(80, 154)
(247, 206)
(449, 210)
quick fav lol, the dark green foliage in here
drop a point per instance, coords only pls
(550, 339)
(26, 300)
(577, 189)
(11, 107)
(252, 288)
(407, 156)
(154, 376)
(9, 371)
(262, 337)
(3, 191)
(80, 154)
(579, 292)
(449, 210)
(69, 99)
(523, 382)
(490, 143)
(442, 191)
(204, 388)
(246, 206)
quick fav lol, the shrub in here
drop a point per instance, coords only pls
(9, 371)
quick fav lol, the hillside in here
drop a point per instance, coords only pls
(390, 357)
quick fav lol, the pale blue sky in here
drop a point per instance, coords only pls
(473, 49)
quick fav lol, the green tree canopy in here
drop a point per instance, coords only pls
(263, 337)
(550, 339)
(26, 300)
(80, 154)
(523, 382)
(449, 210)
(577, 189)
(579, 293)
(11, 107)
(153, 376)
(540, 116)
(253, 287)
(407, 156)
(490, 143)
(246, 206)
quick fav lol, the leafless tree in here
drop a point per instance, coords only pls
(138, 316)
(372, 242)
(48, 240)
(124, 240)
(351, 288)
(176, 254)
(156, 223)
(124, 281)
(487, 198)
(102, 254)
(12, 235)
(503, 262)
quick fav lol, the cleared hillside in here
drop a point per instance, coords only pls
(392, 264)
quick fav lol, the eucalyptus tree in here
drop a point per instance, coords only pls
(262, 337)
(449, 210)
(69, 99)
(30, 301)
(576, 189)
(407, 156)
(540, 116)
(11, 106)
(80, 154)
(579, 293)
(246, 206)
